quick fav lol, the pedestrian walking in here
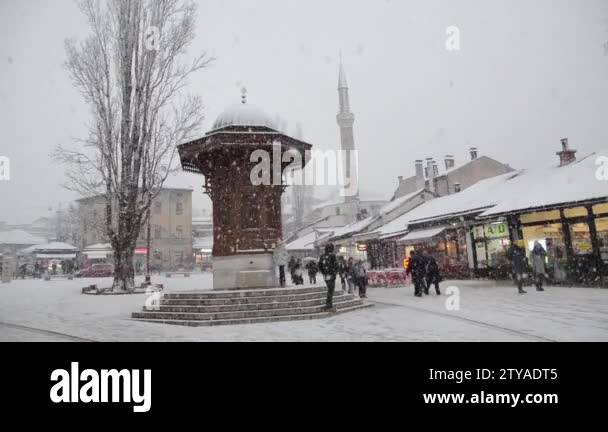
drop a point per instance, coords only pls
(517, 256)
(539, 255)
(280, 260)
(417, 269)
(291, 264)
(351, 276)
(298, 273)
(328, 265)
(342, 269)
(361, 278)
(433, 275)
(312, 269)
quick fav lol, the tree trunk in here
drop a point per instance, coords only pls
(124, 273)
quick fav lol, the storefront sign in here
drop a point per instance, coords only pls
(362, 247)
(496, 230)
(141, 251)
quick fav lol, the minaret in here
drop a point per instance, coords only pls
(345, 120)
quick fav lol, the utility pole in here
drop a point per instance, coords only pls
(148, 243)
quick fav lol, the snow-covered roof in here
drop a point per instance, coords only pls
(243, 114)
(515, 191)
(552, 186)
(306, 242)
(396, 203)
(19, 237)
(179, 180)
(353, 227)
(422, 234)
(50, 247)
(98, 246)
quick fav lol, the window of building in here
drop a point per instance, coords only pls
(158, 207)
(551, 237)
(179, 230)
(600, 209)
(157, 231)
(540, 216)
(179, 208)
(601, 226)
(337, 211)
(575, 212)
(581, 239)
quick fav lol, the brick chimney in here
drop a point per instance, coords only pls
(473, 152)
(430, 169)
(419, 175)
(567, 155)
(449, 162)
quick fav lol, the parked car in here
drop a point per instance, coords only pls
(97, 270)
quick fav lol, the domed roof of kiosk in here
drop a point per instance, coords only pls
(243, 114)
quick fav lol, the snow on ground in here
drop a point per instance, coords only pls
(57, 311)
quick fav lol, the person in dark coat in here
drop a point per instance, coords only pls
(291, 265)
(517, 256)
(361, 278)
(313, 269)
(417, 268)
(342, 271)
(328, 265)
(351, 276)
(433, 275)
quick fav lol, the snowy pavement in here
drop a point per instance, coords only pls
(35, 310)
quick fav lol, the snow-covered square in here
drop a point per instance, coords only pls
(38, 310)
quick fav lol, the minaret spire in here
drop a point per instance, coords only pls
(342, 76)
(345, 120)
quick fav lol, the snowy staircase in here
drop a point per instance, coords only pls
(246, 307)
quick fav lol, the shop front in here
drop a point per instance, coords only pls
(447, 244)
(491, 242)
(575, 239)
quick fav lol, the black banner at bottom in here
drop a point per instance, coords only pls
(162, 381)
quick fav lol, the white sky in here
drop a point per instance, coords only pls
(528, 73)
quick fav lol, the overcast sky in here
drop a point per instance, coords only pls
(528, 73)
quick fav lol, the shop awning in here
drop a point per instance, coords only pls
(56, 256)
(421, 235)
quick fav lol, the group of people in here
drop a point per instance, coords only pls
(519, 261)
(352, 274)
(425, 273)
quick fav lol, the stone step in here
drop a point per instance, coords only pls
(169, 301)
(245, 293)
(295, 317)
(273, 303)
(190, 316)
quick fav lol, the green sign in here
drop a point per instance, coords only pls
(496, 230)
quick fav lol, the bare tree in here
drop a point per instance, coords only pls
(131, 71)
